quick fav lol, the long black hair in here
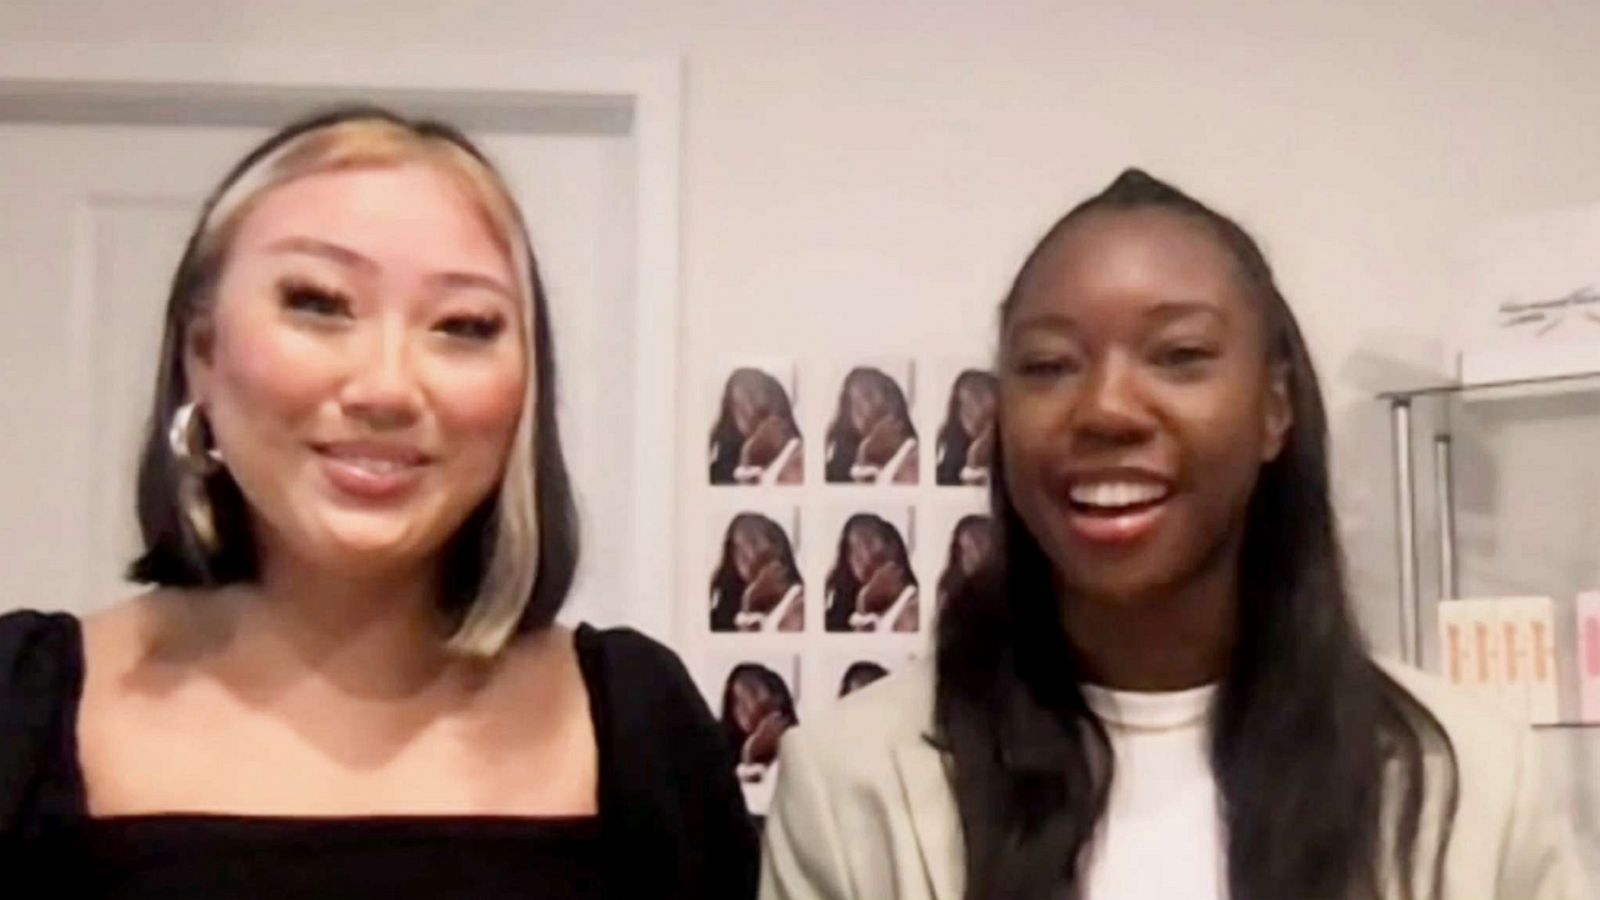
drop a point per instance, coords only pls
(727, 585)
(954, 442)
(726, 439)
(843, 440)
(842, 584)
(1308, 736)
(171, 556)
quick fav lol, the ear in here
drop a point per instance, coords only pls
(1277, 412)
(199, 346)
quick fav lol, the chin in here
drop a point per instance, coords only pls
(372, 541)
(1128, 584)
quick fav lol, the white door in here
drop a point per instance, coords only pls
(92, 220)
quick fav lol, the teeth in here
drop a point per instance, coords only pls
(374, 466)
(1116, 494)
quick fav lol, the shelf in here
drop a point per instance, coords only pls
(1567, 726)
(1434, 390)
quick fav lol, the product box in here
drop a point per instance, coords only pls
(1530, 622)
(1589, 656)
(1458, 647)
(1503, 650)
(1516, 656)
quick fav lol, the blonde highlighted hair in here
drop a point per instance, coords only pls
(512, 565)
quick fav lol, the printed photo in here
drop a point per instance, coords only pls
(871, 437)
(964, 450)
(755, 435)
(871, 584)
(756, 583)
(969, 547)
(757, 701)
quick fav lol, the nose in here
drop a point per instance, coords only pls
(1109, 410)
(382, 392)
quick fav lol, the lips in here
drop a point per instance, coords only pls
(1117, 506)
(371, 470)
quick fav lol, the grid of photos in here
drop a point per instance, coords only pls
(844, 501)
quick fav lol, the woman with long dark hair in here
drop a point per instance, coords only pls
(755, 439)
(871, 586)
(966, 439)
(872, 438)
(757, 585)
(345, 677)
(1157, 688)
(757, 708)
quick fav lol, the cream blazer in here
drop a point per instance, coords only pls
(863, 810)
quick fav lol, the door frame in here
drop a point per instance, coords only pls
(641, 98)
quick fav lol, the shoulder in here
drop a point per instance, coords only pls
(1479, 732)
(41, 673)
(1493, 752)
(853, 740)
(628, 654)
(862, 795)
(37, 648)
(1508, 827)
(637, 681)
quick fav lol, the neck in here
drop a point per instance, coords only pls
(372, 634)
(1181, 638)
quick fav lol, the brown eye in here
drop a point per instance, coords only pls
(1184, 356)
(313, 300)
(481, 329)
(1045, 368)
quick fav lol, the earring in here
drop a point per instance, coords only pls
(186, 437)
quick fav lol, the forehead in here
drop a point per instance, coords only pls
(1113, 261)
(408, 213)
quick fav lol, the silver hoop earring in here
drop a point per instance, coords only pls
(187, 440)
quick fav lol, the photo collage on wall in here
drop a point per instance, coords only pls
(843, 502)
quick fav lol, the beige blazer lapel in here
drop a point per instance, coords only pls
(934, 820)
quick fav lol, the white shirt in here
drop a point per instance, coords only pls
(1162, 834)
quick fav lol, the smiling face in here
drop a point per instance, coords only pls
(362, 366)
(1137, 403)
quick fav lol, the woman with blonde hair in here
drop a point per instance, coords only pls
(347, 679)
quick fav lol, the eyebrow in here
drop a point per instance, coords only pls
(1046, 321)
(1179, 309)
(348, 258)
(344, 256)
(455, 280)
(1164, 311)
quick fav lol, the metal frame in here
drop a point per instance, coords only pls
(1405, 497)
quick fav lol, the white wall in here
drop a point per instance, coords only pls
(887, 164)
